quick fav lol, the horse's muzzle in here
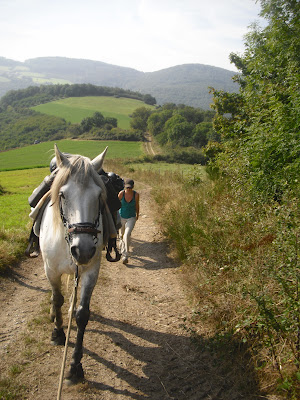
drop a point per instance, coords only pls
(82, 254)
(82, 239)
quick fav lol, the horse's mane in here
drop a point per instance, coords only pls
(81, 168)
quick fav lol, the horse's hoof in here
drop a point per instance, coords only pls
(58, 337)
(75, 375)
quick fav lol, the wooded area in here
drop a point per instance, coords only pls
(20, 125)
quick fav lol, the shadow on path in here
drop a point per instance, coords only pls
(148, 255)
(22, 280)
(172, 367)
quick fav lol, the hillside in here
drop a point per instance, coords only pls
(75, 109)
(31, 115)
(183, 84)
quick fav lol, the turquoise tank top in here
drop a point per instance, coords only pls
(127, 210)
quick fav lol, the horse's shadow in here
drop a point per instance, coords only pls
(171, 367)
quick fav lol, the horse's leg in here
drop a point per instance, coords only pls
(58, 336)
(88, 282)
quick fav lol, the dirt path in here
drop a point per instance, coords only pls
(135, 346)
(148, 144)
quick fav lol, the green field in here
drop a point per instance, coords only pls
(14, 207)
(162, 167)
(74, 109)
(39, 155)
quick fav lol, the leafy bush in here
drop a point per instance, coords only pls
(187, 156)
(182, 126)
(113, 134)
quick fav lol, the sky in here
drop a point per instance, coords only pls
(147, 35)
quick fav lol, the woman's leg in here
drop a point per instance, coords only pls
(127, 227)
(122, 230)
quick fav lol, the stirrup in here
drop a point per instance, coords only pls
(32, 251)
(33, 248)
(112, 244)
(110, 258)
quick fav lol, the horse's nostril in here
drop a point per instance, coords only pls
(83, 256)
(75, 252)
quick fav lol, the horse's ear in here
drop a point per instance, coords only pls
(98, 161)
(61, 159)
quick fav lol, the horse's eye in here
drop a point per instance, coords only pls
(61, 195)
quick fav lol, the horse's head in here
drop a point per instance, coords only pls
(77, 194)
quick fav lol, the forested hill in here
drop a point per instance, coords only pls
(183, 84)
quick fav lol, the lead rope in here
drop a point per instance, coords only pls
(68, 334)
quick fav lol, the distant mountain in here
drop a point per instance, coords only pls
(183, 84)
(187, 84)
(76, 70)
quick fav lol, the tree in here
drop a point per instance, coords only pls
(148, 99)
(86, 124)
(98, 119)
(179, 131)
(201, 134)
(111, 121)
(139, 118)
(191, 114)
(157, 120)
(261, 132)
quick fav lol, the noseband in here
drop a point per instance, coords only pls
(83, 227)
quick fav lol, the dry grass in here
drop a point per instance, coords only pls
(12, 246)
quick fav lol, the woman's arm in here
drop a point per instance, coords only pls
(137, 205)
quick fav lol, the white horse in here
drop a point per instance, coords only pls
(71, 238)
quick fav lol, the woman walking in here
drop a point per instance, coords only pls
(129, 213)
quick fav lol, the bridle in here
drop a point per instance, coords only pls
(79, 227)
(90, 228)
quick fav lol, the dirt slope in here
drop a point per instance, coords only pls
(136, 344)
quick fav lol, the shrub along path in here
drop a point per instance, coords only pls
(137, 343)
